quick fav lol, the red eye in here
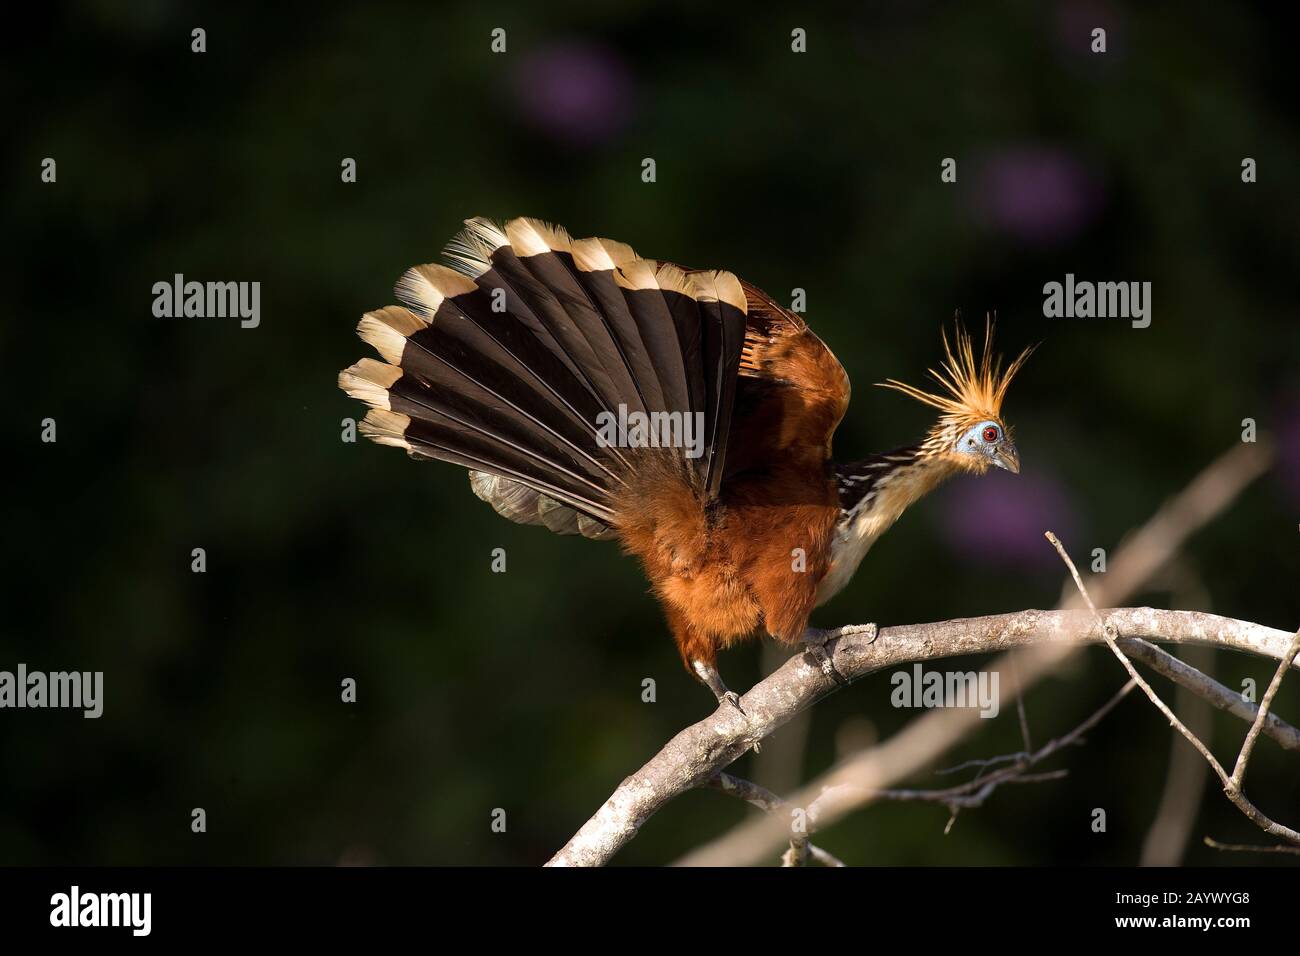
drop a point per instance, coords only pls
(991, 433)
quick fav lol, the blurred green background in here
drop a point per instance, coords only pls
(522, 690)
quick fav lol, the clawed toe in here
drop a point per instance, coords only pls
(852, 630)
(709, 676)
(732, 699)
(815, 640)
(817, 651)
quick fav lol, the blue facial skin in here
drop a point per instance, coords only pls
(989, 440)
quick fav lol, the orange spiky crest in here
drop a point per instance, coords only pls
(975, 389)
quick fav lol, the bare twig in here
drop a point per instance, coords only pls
(1231, 785)
(1020, 707)
(974, 792)
(800, 849)
(1250, 848)
(751, 793)
(1248, 746)
(1166, 839)
(824, 858)
(1109, 633)
(984, 763)
(1209, 689)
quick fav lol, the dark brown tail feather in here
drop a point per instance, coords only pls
(503, 365)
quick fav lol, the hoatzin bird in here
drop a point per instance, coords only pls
(682, 412)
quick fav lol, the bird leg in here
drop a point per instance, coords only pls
(709, 676)
(815, 640)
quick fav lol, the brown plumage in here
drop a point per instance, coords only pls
(557, 371)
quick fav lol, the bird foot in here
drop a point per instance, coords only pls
(849, 630)
(815, 640)
(730, 698)
(816, 649)
(709, 676)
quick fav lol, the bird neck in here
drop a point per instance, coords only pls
(889, 483)
(874, 492)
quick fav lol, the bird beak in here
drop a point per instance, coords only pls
(1006, 456)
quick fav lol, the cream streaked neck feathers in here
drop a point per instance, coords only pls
(892, 493)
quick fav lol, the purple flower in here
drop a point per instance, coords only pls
(574, 92)
(1000, 518)
(1036, 194)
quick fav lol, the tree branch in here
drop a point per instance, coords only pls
(1231, 785)
(1209, 689)
(1250, 848)
(800, 849)
(1139, 557)
(974, 792)
(701, 750)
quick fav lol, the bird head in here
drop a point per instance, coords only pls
(986, 443)
(970, 433)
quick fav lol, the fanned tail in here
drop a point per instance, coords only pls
(509, 361)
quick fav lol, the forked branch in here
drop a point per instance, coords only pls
(1042, 639)
(703, 749)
